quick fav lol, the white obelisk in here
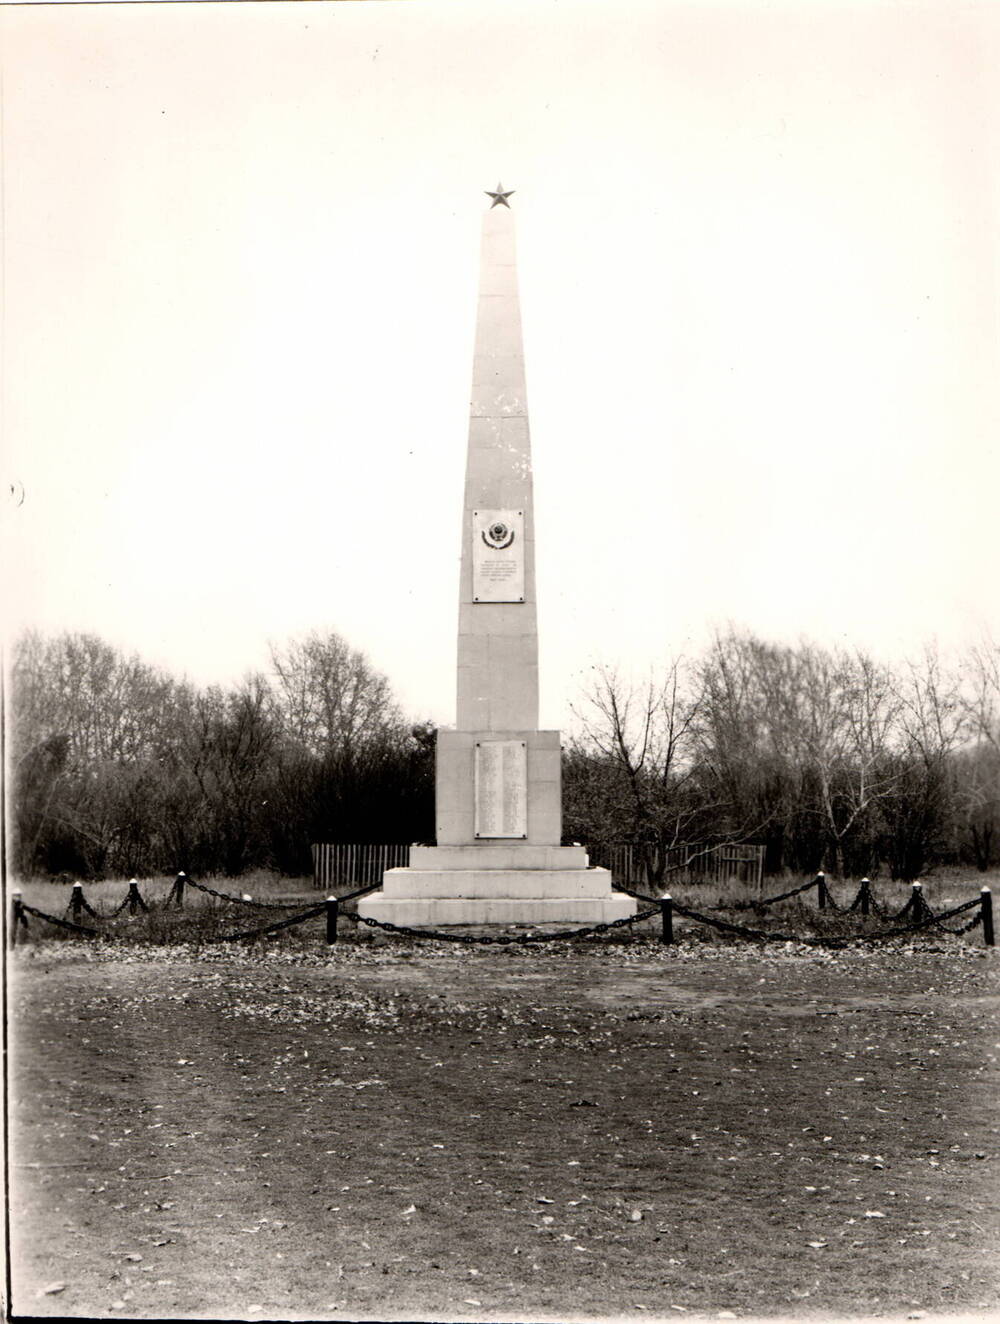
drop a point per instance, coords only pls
(498, 858)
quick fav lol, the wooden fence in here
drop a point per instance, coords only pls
(356, 865)
(685, 863)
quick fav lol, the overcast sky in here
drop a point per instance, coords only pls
(758, 264)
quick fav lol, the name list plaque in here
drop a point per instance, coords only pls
(498, 556)
(501, 788)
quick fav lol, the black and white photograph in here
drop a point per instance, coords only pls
(501, 660)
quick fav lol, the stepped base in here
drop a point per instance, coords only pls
(497, 893)
(440, 912)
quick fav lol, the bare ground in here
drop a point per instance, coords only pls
(389, 1130)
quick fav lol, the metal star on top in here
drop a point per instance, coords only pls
(499, 196)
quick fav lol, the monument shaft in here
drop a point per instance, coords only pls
(498, 640)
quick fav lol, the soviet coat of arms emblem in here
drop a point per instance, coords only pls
(498, 536)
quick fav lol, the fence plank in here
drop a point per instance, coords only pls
(360, 863)
(685, 862)
(354, 863)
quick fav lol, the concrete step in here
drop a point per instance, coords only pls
(439, 912)
(498, 855)
(536, 883)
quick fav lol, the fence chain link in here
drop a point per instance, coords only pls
(361, 891)
(240, 900)
(973, 923)
(875, 906)
(755, 902)
(54, 919)
(502, 939)
(832, 905)
(639, 896)
(273, 928)
(783, 896)
(761, 934)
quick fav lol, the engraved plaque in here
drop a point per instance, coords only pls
(498, 556)
(501, 788)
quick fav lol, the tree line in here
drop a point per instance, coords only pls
(830, 758)
(118, 768)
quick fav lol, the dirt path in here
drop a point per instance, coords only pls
(659, 989)
(373, 1133)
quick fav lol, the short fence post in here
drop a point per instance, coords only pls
(134, 898)
(865, 896)
(179, 882)
(76, 901)
(918, 905)
(332, 909)
(821, 890)
(16, 916)
(667, 917)
(987, 904)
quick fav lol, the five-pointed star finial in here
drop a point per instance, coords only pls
(499, 196)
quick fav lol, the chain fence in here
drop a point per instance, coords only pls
(916, 910)
(78, 902)
(916, 907)
(311, 913)
(25, 910)
(818, 881)
(832, 940)
(977, 920)
(134, 900)
(504, 939)
(243, 900)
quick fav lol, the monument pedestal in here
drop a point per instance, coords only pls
(499, 883)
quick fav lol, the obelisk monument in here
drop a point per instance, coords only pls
(498, 858)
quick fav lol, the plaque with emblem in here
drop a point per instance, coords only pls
(498, 556)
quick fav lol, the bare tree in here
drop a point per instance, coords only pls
(920, 809)
(798, 736)
(982, 692)
(850, 710)
(331, 698)
(116, 766)
(110, 706)
(744, 748)
(642, 735)
(230, 749)
(977, 803)
(84, 721)
(978, 768)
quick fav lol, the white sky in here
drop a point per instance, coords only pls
(758, 256)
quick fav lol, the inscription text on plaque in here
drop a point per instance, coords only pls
(501, 795)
